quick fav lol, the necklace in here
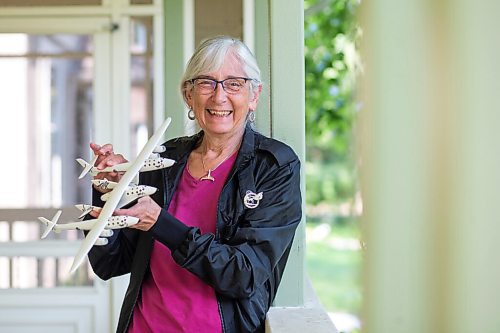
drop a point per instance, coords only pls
(209, 176)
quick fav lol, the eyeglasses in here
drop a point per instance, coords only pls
(206, 86)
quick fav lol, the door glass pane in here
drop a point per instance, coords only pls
(46, 84)
(46, 104)
(142, 76)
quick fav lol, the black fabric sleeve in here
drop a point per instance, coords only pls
(169, 230)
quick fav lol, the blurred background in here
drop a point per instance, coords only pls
(333, 202)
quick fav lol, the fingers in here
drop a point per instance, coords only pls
(146, 210)
(110, 160)
(106, 149)
(107, 158)
(95, 212)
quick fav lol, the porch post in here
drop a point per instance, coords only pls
(287, 119)
(178, 45)
(431, 165)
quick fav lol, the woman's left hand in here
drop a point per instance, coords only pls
(146, 209)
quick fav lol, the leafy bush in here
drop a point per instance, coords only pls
(332, 64)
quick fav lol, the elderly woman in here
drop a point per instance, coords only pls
(211, 245)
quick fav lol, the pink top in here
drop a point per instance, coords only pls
(173, 299)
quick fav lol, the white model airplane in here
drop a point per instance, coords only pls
(145, 161)
(119, 189)
(153, 162)
(114, 222)
(130, 196)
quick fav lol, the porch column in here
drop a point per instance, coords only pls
(284, 63)
(430, 154)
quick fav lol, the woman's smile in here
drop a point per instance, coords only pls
(219, 113)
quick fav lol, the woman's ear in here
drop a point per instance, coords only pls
(252, 105)
(188, 94)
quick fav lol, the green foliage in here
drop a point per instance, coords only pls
(332, 183)
(332, 64)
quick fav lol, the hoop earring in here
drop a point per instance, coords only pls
(251, 116)
(191, 114)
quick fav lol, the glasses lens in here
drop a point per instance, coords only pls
(233, 85)
(205, 86)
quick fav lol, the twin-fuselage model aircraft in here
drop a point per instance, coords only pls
(121, 195)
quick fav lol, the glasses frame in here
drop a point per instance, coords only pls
(246, 79)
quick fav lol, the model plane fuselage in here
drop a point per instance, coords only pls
(131, 194)
(113, 222)
(149, 164)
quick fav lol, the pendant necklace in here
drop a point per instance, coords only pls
(209, 176)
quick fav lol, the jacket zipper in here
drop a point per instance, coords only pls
(217, 237)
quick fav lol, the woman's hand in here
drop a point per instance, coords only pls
(106, 158)
(146, 209)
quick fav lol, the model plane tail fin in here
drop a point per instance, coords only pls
(85, 209)
(50, 224)
(87, 167)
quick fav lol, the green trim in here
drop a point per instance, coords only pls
(288, 118)
(174, 66)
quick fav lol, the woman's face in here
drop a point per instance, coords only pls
(219, 112)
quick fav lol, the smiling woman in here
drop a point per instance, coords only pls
(214, 240)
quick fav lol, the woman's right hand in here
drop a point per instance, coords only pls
(107, 158)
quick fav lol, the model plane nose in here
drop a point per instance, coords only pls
(166, 162)
(148, 190)
(130, 220)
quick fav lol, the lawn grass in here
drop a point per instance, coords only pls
(335, 271)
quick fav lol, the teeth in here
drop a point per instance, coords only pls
(219, 113)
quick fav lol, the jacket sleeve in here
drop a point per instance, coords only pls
(238, 266)
(115, 258)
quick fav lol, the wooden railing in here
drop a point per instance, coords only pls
(28, 262)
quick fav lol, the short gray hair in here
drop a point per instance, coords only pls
(209, 57)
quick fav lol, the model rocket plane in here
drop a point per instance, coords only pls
(121, 194)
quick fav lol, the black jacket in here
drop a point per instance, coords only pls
(245, 259)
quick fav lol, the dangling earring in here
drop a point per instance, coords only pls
(251, 116)
(191, 114)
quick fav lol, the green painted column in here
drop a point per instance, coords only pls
(263, 55)
(174, 66)
(287, 118)
(429, 144)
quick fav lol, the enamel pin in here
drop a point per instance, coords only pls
(251, 200)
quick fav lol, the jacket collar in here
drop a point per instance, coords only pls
(247, 149)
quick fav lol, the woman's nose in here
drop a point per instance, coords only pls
(219, 94)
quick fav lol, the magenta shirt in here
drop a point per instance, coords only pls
(173, 299)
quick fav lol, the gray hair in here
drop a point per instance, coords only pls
(209, 57)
